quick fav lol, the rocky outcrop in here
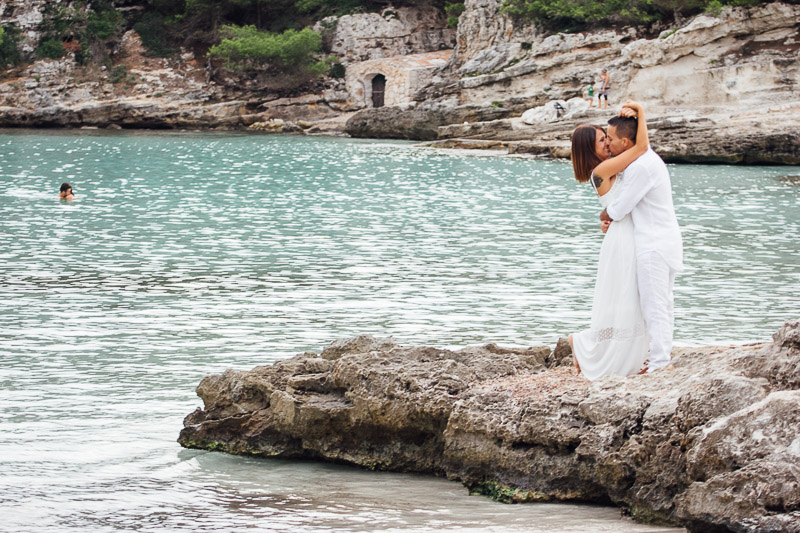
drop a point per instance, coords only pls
(27, 16)
(677, 139)
(487, 39)
(147, 92)
(137, 91)
(392, 32)
(184, 91)
(720, 89)
(710, 443)
(416, 123)
(130, 113)
(702, 140)
(744, 57)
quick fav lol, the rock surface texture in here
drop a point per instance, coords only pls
(393, 32)
(711, 443)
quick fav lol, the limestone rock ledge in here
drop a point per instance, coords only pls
(712, 443)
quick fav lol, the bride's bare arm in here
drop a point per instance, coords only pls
(611, 167)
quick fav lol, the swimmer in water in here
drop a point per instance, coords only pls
(66, 192)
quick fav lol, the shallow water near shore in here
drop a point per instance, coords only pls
(184, 254)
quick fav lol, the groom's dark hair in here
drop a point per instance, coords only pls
(626, 127)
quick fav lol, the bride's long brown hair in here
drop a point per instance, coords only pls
(584, 156)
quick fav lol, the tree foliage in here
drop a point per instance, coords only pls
(85, 28)
(323, 8)
(102, 25)
(453, 10)
(50, 49)
(248, 47)
(167, 7)
(578, 14)
(9, 49)
(264, 35)
(154, 32)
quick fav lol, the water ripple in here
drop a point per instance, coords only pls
(186, 254)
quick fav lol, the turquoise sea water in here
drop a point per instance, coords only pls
(184, 254)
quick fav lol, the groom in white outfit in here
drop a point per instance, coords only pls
(646, 193)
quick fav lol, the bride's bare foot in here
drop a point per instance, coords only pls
(645, 365)
(574, 359)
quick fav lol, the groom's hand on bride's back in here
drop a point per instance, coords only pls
(604, 225)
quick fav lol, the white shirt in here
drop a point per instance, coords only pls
(646, 194)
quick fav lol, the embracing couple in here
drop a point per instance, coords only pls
(632, 313)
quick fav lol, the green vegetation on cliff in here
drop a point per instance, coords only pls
(453, 10)
(248, 47)
(257, 37)
(9, 49)
(252, 37)
(248, 37)
(579, 14)
(79, 28)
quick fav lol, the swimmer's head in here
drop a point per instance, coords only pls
(66, 190)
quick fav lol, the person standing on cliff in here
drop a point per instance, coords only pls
(616, 342)
(646, 194)
(590, 94)
(602, 96)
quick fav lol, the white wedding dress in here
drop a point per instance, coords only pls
(617, 342)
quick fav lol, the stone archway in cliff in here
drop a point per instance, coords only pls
(378, 90)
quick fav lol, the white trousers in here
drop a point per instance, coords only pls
(656, 280)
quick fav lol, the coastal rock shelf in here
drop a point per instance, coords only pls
(676, 139)
(711, 443)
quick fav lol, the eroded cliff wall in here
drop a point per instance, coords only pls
(742, 58)
(723, 88)
(392, 32)
(720, 88)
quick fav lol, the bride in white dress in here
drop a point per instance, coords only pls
(616, 342)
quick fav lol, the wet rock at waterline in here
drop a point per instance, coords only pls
(677, 139)
(712, 443)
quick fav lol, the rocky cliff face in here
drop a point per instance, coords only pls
(137, 91)
(487, 39)
(721, 88)
(393, 32)
(711, 443)
(739, 60)
(27, 16)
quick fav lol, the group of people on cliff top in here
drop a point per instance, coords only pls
(632, 317)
